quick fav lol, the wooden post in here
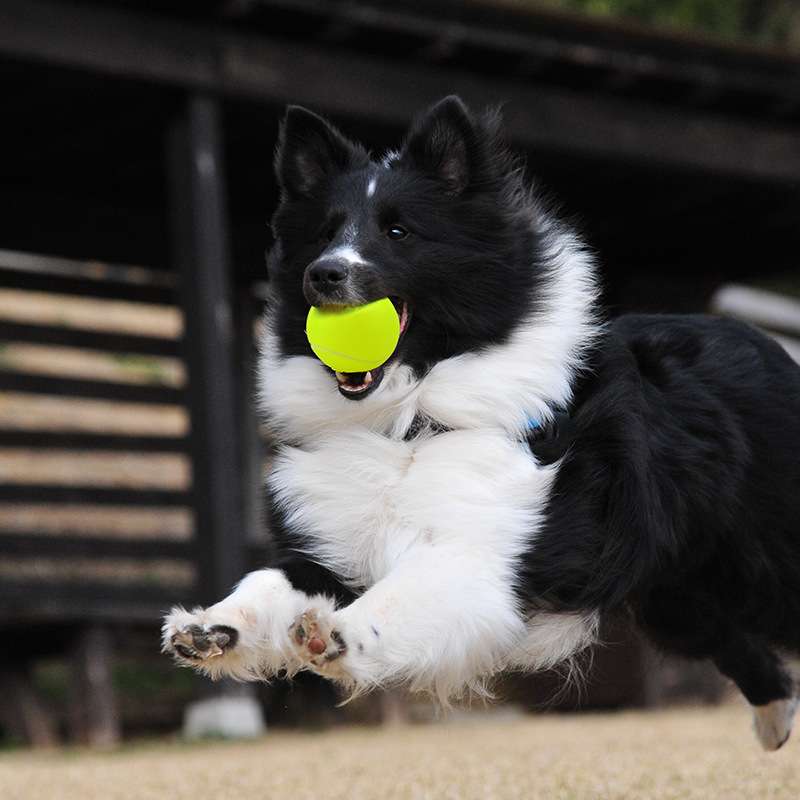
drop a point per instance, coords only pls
(252, 447)
(93, 714)
(21, 710)
(202, 255)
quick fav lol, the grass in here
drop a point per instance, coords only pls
(687, 754)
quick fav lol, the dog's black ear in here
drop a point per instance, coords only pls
(443, 143)
(310, 150)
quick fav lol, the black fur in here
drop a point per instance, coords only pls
(289, 555)
(678, 498)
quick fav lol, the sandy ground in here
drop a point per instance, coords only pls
(701, 754)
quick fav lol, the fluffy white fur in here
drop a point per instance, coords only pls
(346, 253)
(773, 722)
(552, 639)
(261, 608)
(433, 526)
(501, 387)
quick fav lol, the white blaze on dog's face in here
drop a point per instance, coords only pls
(493, 306)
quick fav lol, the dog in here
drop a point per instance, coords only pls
(520, 469)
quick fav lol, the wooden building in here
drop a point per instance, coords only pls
(142, 134)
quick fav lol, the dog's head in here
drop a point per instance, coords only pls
(442, 227)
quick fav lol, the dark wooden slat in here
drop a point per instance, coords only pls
(85, 287)
(536, 115)
(92, 495)
(63, 601)
(91, 340)
(42, 545)
(252, 447)
(69, 440)
(574, 42)
(108, 272)
(146, 47)
(98, 390)
(492, 19)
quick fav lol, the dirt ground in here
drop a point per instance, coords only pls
(688, 754)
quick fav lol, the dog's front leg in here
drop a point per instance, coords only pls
(441, 621)
(246, 635)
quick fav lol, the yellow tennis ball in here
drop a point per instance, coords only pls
(354, 338)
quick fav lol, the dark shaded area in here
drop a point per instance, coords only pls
(87, 180)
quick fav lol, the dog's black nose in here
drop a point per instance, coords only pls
(327, 274)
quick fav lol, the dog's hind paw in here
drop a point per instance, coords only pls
(773, 722)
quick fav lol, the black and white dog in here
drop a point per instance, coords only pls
(518, 469)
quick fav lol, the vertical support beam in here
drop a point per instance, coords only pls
(253, 449)
(22, 712)
(202, 255)
(93, 714)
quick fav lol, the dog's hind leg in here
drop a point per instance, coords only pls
(767, 685)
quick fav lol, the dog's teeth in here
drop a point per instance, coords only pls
(345, 385)
(354, 389)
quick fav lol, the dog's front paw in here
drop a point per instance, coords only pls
(197, 642)
(194, 641)
(317, 643)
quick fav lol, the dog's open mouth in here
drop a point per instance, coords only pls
(357, 385)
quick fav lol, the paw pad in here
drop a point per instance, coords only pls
(321, 643)
(198, 643)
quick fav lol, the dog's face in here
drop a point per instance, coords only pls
(437, 227)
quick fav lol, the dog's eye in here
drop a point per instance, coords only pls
(396, 232)
(330, 230)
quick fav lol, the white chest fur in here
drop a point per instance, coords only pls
(362, 500)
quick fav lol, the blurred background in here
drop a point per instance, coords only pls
(135, 187)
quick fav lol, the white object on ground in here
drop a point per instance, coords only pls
(232, 717)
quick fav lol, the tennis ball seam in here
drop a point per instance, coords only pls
(340, 353)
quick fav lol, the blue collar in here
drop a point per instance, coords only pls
(550, 441)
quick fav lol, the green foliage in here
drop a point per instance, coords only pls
(767, 22)
(150, 368)
(136, 679)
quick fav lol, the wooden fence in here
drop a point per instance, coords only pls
(34, 598)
